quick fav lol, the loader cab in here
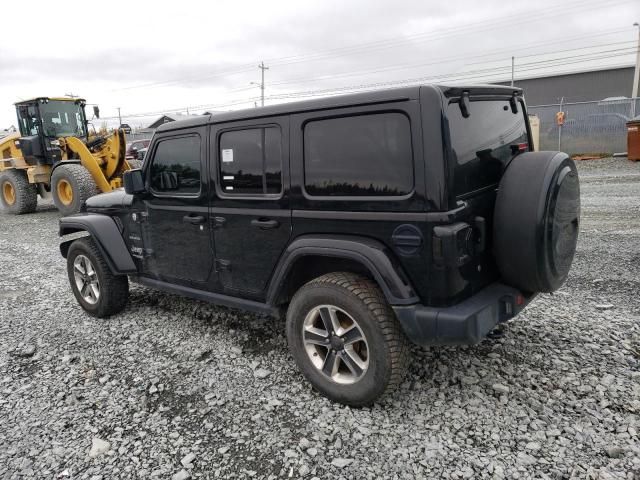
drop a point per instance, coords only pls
(42, 121)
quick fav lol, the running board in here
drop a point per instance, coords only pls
(214, 298)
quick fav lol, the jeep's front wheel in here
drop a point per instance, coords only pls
(345, 338)
(98, 291)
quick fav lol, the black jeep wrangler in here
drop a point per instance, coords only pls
(419, 214)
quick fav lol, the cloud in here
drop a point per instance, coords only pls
(145, 57)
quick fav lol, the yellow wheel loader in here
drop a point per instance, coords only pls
(54, 154)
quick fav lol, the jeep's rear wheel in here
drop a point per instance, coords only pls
(536, 221)
(345, 338)
(98, 291)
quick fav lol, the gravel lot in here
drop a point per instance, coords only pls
(173, 388)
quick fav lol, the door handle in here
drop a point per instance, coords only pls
(218, 222)
(193, 219)
(265, 223)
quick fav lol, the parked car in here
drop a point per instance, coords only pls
(373, 220)
(142, 153)
(597, 123)
(133, 148)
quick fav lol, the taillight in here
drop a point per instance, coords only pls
(519, 148)
(453, 245)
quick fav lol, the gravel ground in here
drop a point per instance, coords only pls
(173, 388)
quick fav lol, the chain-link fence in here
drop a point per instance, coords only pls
(589, 127)
(139, 136)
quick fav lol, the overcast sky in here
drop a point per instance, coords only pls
(148, 57)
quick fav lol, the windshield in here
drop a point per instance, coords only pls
(484, 142)
(62, 119)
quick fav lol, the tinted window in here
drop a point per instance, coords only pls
(482, 143)
(250, 161)
(176, 166)
(366, 155)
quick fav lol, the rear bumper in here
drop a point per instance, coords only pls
(465, 323)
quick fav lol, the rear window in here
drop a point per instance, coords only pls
(482, 143)
(359, 156)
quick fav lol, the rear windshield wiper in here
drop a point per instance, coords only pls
(513, 102)
(464, 103)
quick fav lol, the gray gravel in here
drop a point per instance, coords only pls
(173, 388)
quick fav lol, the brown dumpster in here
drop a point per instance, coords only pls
(633, 140)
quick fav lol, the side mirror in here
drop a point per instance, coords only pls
(96, 111)
(133, 181)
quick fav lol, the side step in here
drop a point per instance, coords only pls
(214, 298)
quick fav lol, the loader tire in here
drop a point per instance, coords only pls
(71, 186)
(17, 195)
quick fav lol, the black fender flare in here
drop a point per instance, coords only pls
(107, 236)
(372, 254)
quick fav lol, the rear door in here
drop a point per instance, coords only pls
(481, 145)
(175, 233)
(250, 211)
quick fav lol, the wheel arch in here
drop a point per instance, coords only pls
(104, 230)
(309, 257)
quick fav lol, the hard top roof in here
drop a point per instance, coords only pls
(61, 99)
(354, 99)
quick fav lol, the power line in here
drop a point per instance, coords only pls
(480, 26)
(491, 72)
(396, 41)
(449, 77)
(436, 62)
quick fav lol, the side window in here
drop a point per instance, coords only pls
(251, 161)
(364, 155)
(175, 168)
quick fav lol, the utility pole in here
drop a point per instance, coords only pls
(119, 117)
(262, 68)
(560, 128)
(636, 76)
(513, 69)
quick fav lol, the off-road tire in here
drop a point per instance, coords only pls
(135, 163)
(388, 348)
(25, 194)
(82, 185)
(114, 289)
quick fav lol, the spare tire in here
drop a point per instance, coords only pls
(536, 221)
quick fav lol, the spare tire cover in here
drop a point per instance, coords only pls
(536, 221)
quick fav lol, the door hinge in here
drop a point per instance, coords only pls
(139, 217)
(222, 265)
